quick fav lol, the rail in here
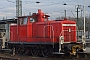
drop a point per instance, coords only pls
(8, 58)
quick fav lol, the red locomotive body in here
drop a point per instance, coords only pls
(44, 32)
(38, 35)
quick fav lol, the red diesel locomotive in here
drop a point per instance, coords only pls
(36, 34)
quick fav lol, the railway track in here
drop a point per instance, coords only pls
(41, 58)
(55, 57)
(8, 58)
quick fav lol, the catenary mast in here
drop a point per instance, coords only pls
(18, 8)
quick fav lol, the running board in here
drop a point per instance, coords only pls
(58, 53)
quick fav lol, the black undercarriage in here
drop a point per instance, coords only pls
(40, 49)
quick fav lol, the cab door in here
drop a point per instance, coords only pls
(22, 29)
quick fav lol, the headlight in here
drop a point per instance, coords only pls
(61, 37)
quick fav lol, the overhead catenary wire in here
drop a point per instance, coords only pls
(44, 4)
(11, 1)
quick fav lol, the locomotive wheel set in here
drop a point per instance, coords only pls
(38, 36)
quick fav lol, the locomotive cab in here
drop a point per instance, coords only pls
(24, 20)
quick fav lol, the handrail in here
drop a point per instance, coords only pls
(51, 29)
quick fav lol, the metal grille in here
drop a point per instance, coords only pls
(69, 34)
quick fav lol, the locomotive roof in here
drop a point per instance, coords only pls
(66, 20)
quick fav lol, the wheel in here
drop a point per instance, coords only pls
(27, 51)
(47, 52)
(21, 50)
(34, 52)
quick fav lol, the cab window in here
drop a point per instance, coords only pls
(25, 20)
(22, 21)
(32, 20)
